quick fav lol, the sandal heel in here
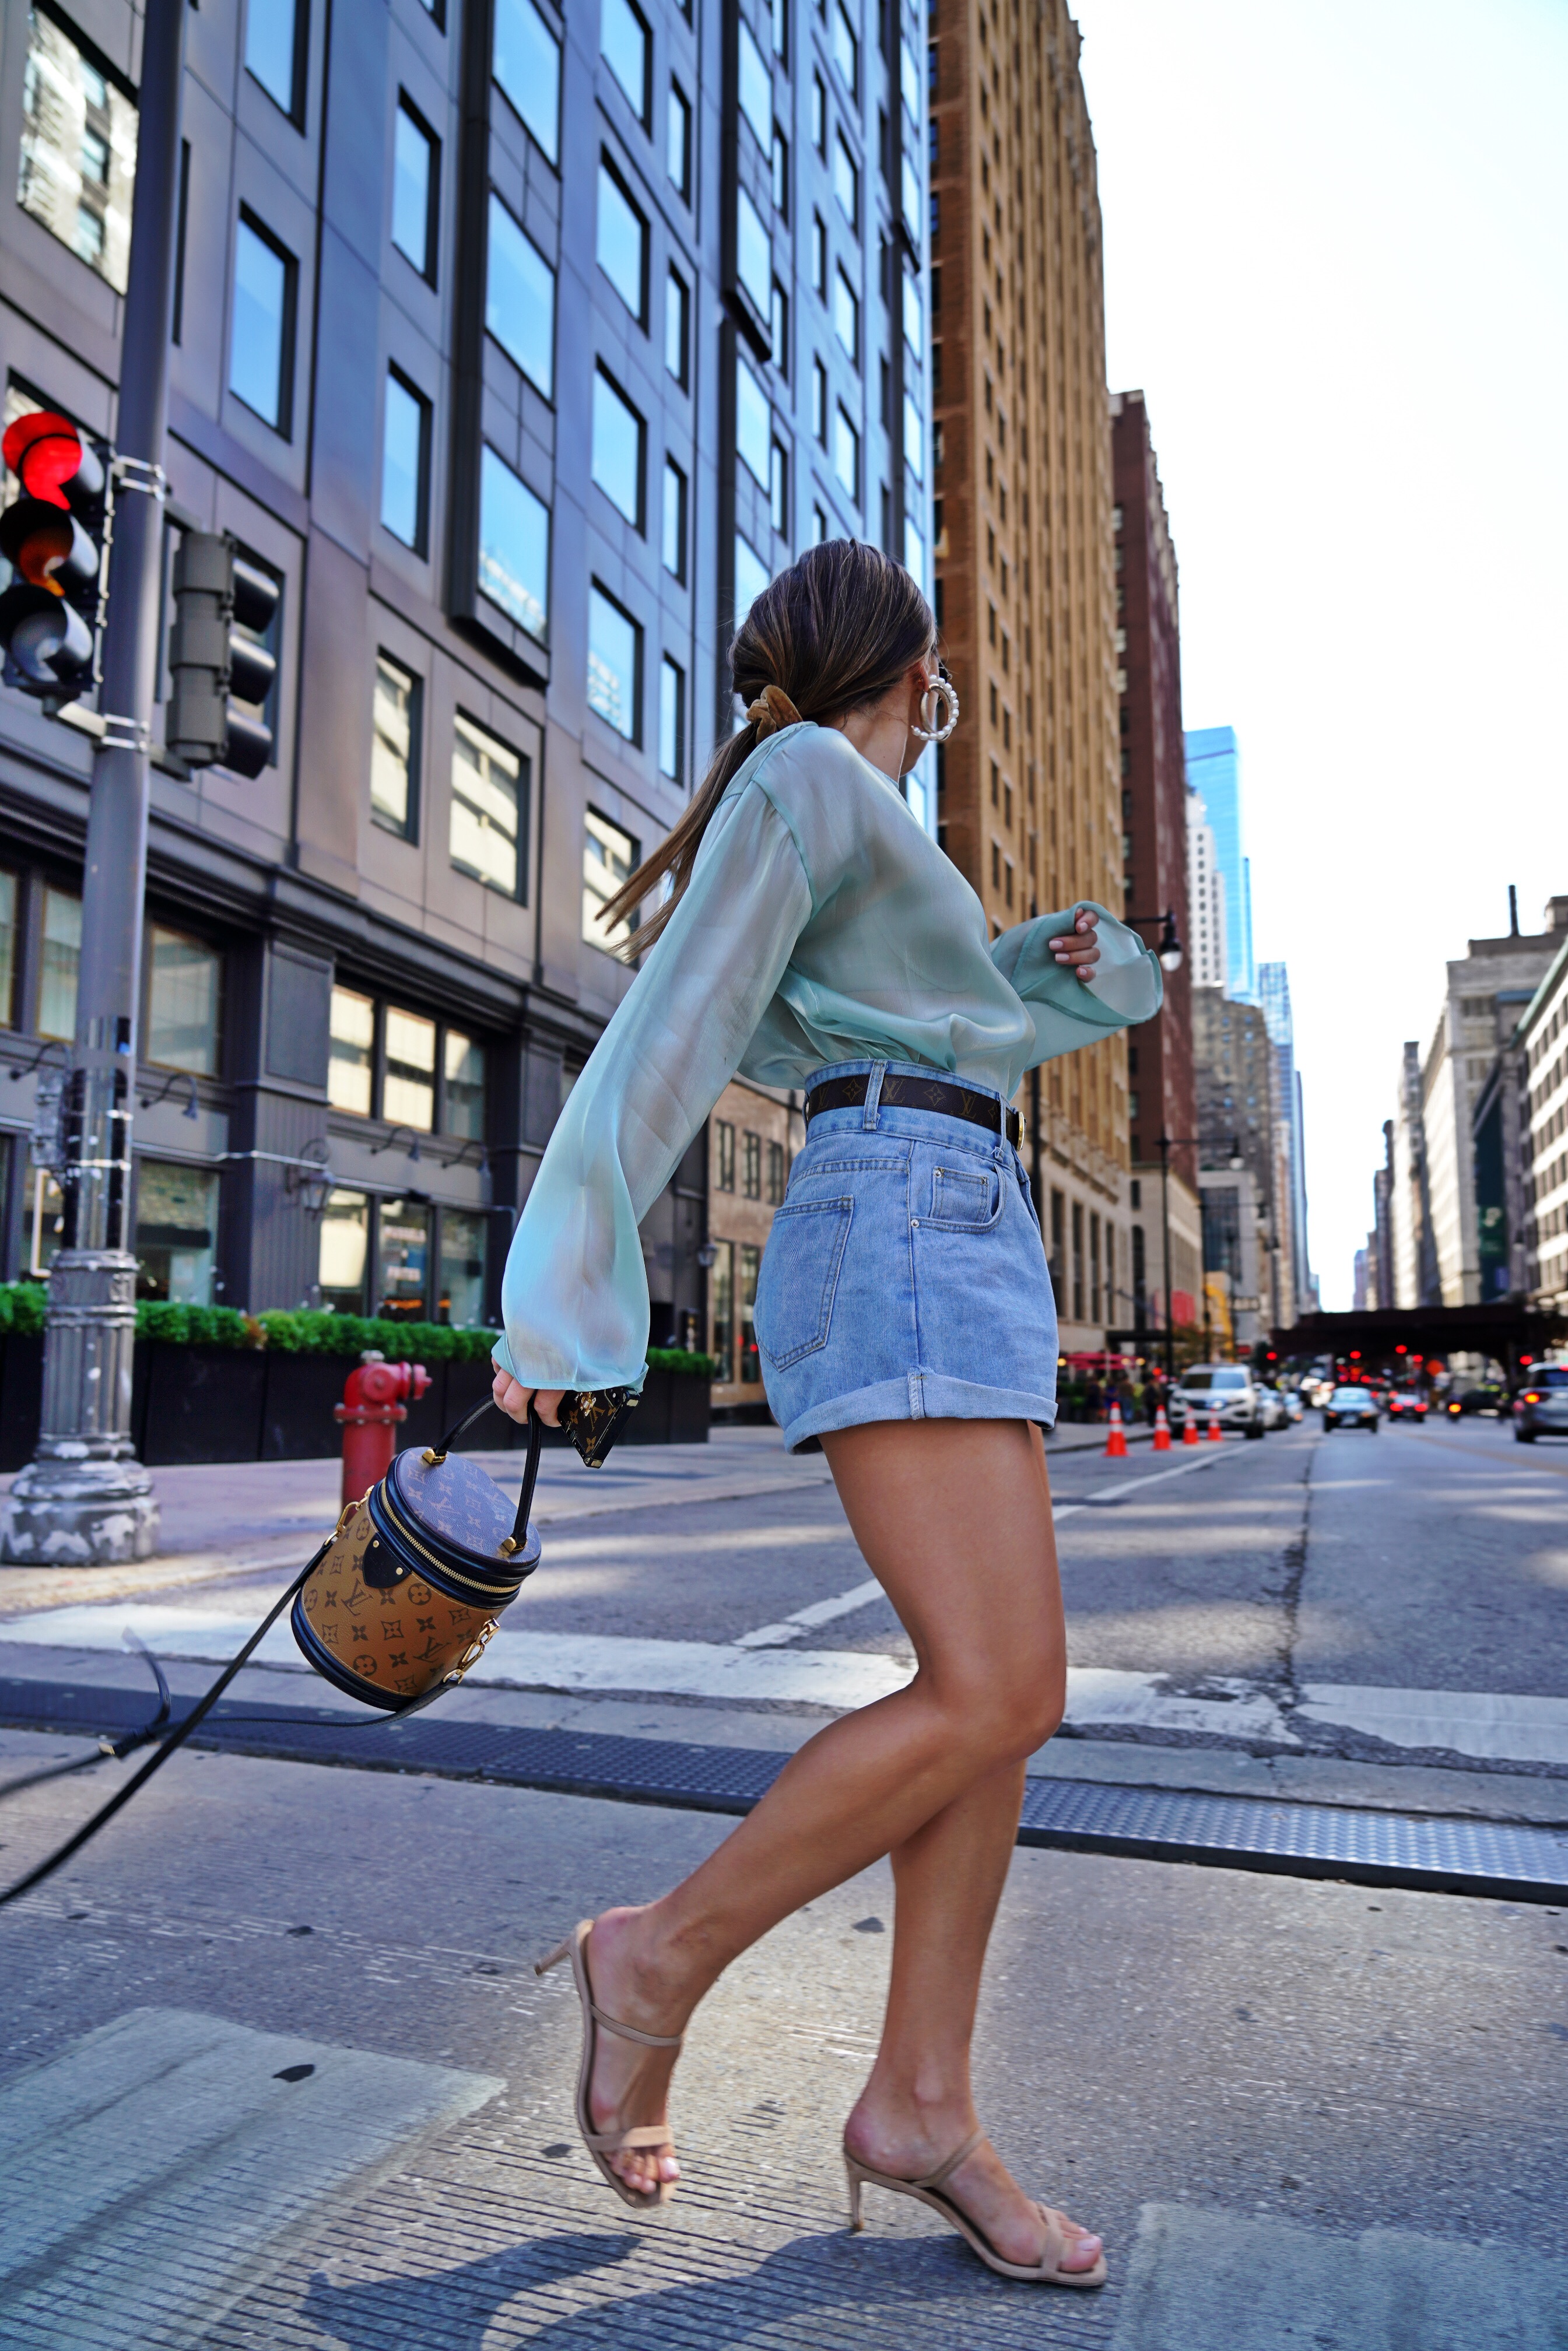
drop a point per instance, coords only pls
(553, 1958)
(855, 2186)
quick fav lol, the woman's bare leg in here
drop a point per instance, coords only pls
(954, 1517)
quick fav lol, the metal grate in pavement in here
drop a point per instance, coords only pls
(1426, 1852)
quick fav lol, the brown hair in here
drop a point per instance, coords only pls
(834, 633)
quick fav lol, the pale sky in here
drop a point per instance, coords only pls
(1336, 263)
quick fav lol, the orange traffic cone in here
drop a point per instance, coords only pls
(1162, 1443)
(1117, 1443)
(1214, 1435)
(1189, 1427)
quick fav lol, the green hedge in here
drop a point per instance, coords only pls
(305, 1332)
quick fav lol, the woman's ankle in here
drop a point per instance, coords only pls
(653, 1975)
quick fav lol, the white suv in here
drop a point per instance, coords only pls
(1227, 1389)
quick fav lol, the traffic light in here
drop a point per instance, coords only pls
(51, 537)
(217, 595)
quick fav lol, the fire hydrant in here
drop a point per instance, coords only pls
(372, 1407)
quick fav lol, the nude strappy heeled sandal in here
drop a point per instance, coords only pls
(603, 2145)
(1059, 2239)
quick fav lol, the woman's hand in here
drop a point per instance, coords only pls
(1080, 950)
(514, 1399)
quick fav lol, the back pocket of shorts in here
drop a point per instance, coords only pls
(799, 1279)
(965, 1198)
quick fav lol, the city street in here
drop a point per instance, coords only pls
(1311, 2112)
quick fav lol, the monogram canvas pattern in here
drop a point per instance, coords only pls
(593, 1419)
(395, 1637)
(454, 1505)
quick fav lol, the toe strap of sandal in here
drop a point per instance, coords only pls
(1061, 2238)
(620, 2142)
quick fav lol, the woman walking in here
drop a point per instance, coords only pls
(814, 937)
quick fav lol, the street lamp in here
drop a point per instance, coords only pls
(1170, 948)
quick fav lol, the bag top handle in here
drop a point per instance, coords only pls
(435, 1455)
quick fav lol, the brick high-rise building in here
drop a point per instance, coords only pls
(1160, 1097)
(1030, 785)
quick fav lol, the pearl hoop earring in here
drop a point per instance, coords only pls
(928, 730)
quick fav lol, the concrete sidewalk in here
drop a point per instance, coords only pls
(1299, 2112)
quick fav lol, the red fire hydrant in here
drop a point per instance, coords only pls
(372, 1407)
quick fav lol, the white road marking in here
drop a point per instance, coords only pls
(1493, 1725)
(149, 2171)
(820, 1611)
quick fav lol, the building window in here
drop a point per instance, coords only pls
(722, 1280)
(820, 402)
(750, 1362)
(462, 1086)
(753, 423)
(514, 546)
(275, 50)
(7, 950)
(913, 437)
(77, 169)
(819, 526)
(416, 182)
(672, 720)
(751, 576)
(519, 298)
(755, 85)
(60, 963)
(406, 463)
(176, 1231)
(261, 351)
(408, 1080)
(781, 173)
(622, 243)
(351, 1063)
(614, 664)
(624, 45)
(402, 1259)
(184, 1003)
(818, 116)
(619, 438)
(779, 13)
(1078, 1260)
(674, 520)
(394, 750)
(724, 1133)
(751, 1181)
(526, 62)
(460, 1289)
(489, 809)
(677, 311)
(678, 141)
(345, 1250)
(846, 182)
(753, 254)
(846, 452)
(777, 1174)
(846, 48)
(913, 318)
(609, 858)
(779, 329)
(847, 315)
(778, 488)
(818, 257)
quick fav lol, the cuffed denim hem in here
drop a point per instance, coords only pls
(922, 1395)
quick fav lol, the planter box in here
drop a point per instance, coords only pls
(674, 1410)
(197, 1403)
(21, 1397)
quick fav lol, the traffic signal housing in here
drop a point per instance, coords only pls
(52, 536)
(217, 596)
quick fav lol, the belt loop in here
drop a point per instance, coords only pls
(874, 1095)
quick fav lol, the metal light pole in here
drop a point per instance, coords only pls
(1165, 1252)
(84, 1496)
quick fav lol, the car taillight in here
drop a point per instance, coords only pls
(1533, 1398)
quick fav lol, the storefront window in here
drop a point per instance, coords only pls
(176, 1231)
(61, 961)
(350, 1072)
(460, 1300)
(345, 1237)
(185, 1002)
(723, 1291)
(751, 1365)
(402, 1259)
(462, 1109)
(408, 1087)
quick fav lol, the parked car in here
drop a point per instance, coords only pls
(1404, 1403)
(1227, 1389)
(1488, 1396)
(1351, 1408)
(1275, 1415)
(1541, 1408)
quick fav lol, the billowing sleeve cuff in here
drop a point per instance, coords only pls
(1128, 984)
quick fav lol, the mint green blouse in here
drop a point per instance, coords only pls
(821, 924)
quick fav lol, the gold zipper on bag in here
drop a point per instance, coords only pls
(497, 1592)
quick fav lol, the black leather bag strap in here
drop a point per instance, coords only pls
(437, 1454)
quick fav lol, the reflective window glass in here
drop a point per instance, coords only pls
(408, 1081)
(414, 190)
(913, 319)
(753, 256)
(623, 244)
(351, 1065)
(751, 576)
(519, 298)
(846, 47)
(514, 546)
(609, 859)
(672, 720)
(756, 88)
(619, 435)
(7, 950)
(394, 748)
(402, 1259)
(846, 180)
(847, 454)
(176, 1231)
(615, 662)
(624, 45)
(489, 807)
(78, 164)
(259, 349)
(753, 422)
(272, 28)
(526, 61)
(847, 315)
(462, 1087)
(674, 520)
(185, 1002)
(914, 437)
(406, 463)
(677, 307)
(460, 1290)
(60, 962)
(345, 1246)
(678, 141)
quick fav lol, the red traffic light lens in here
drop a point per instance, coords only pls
(44, 451)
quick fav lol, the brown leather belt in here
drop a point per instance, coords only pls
(917, 1093)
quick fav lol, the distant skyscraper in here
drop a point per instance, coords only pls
(1274, 995)
(1214, 770)
(1206, 898)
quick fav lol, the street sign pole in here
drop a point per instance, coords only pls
(84, 1496)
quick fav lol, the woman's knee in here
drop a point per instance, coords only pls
(1007, 1713)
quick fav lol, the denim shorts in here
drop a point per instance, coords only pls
(905, 1277)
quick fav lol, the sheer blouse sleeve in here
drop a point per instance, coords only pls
(574, 1299)
(1128, 984)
